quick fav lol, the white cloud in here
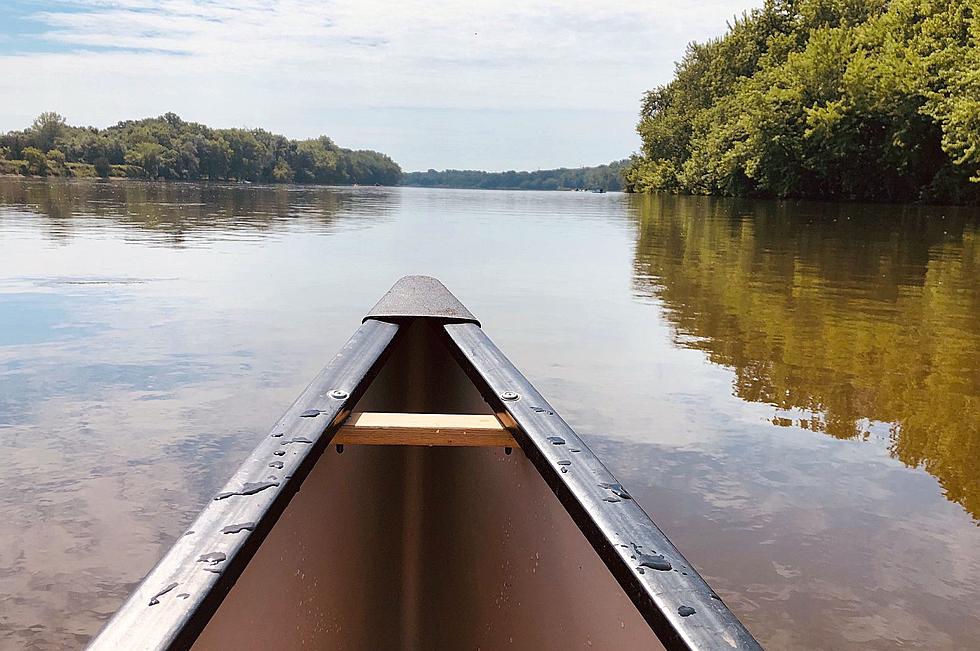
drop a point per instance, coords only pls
(278, 64)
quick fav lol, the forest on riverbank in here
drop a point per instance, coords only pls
(830, 99)
(169, 148)
(600, 177)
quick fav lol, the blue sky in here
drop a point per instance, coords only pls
(464, 84)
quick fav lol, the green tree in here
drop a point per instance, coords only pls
(855, 99)
(282, 172)
(214, 154)
(56, 162)
(605, 177)
(46, 130)
(171, 148)
(36, 161)
(146, 155)
(316, 161)
(102, 167)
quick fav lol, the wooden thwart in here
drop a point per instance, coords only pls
(379, 428)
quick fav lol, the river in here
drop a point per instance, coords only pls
(791, 390)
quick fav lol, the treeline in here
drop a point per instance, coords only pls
(601, 177)
(167, 147)
(853, 99)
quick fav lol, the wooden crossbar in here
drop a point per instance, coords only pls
(380, 428)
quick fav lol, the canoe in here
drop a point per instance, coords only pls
(421, 494)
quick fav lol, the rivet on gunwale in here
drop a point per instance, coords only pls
(509, 395)
(338, 394)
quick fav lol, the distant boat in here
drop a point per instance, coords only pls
(599, 190)
(421, 494)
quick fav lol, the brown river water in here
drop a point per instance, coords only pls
(791, 390)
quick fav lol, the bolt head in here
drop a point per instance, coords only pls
(509, 395)
(338, 394)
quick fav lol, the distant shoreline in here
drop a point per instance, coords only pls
(171, 148)
(605, 178)
(265, 184)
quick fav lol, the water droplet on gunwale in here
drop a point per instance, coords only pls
(276, 464)
(563, 462)
(310, 413)
(564, 469)
(188, 532)
(250, 488)
(183, 595)
(542, 410)
(574, 450)
(617, 490)
(279, 453)
(685, 611)
(235, 528)
(611, 499)
(277, 435)
(653, 561)
(298, 439)
(155, 599)
(556, 440)
(211, 558)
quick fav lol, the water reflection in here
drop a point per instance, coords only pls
(856, 321)
(147, 340)
(177, 212)
(37, 317)
(131, 316)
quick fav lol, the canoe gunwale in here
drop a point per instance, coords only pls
(620, 530)
(173, 623)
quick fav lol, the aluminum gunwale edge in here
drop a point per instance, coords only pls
(189, 583)
(617, 527)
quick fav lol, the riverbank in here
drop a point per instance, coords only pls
(608, 177)
(838, 101)
(170, 148)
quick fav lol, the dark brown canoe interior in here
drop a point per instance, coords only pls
(406, 547)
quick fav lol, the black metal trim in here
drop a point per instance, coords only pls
(250, 498)
(634, 549)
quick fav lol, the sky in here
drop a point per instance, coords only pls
(467, 84)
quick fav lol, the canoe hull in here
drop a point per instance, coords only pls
(425, 548)
(409, 547)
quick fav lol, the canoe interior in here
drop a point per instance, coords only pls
(407, 547)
